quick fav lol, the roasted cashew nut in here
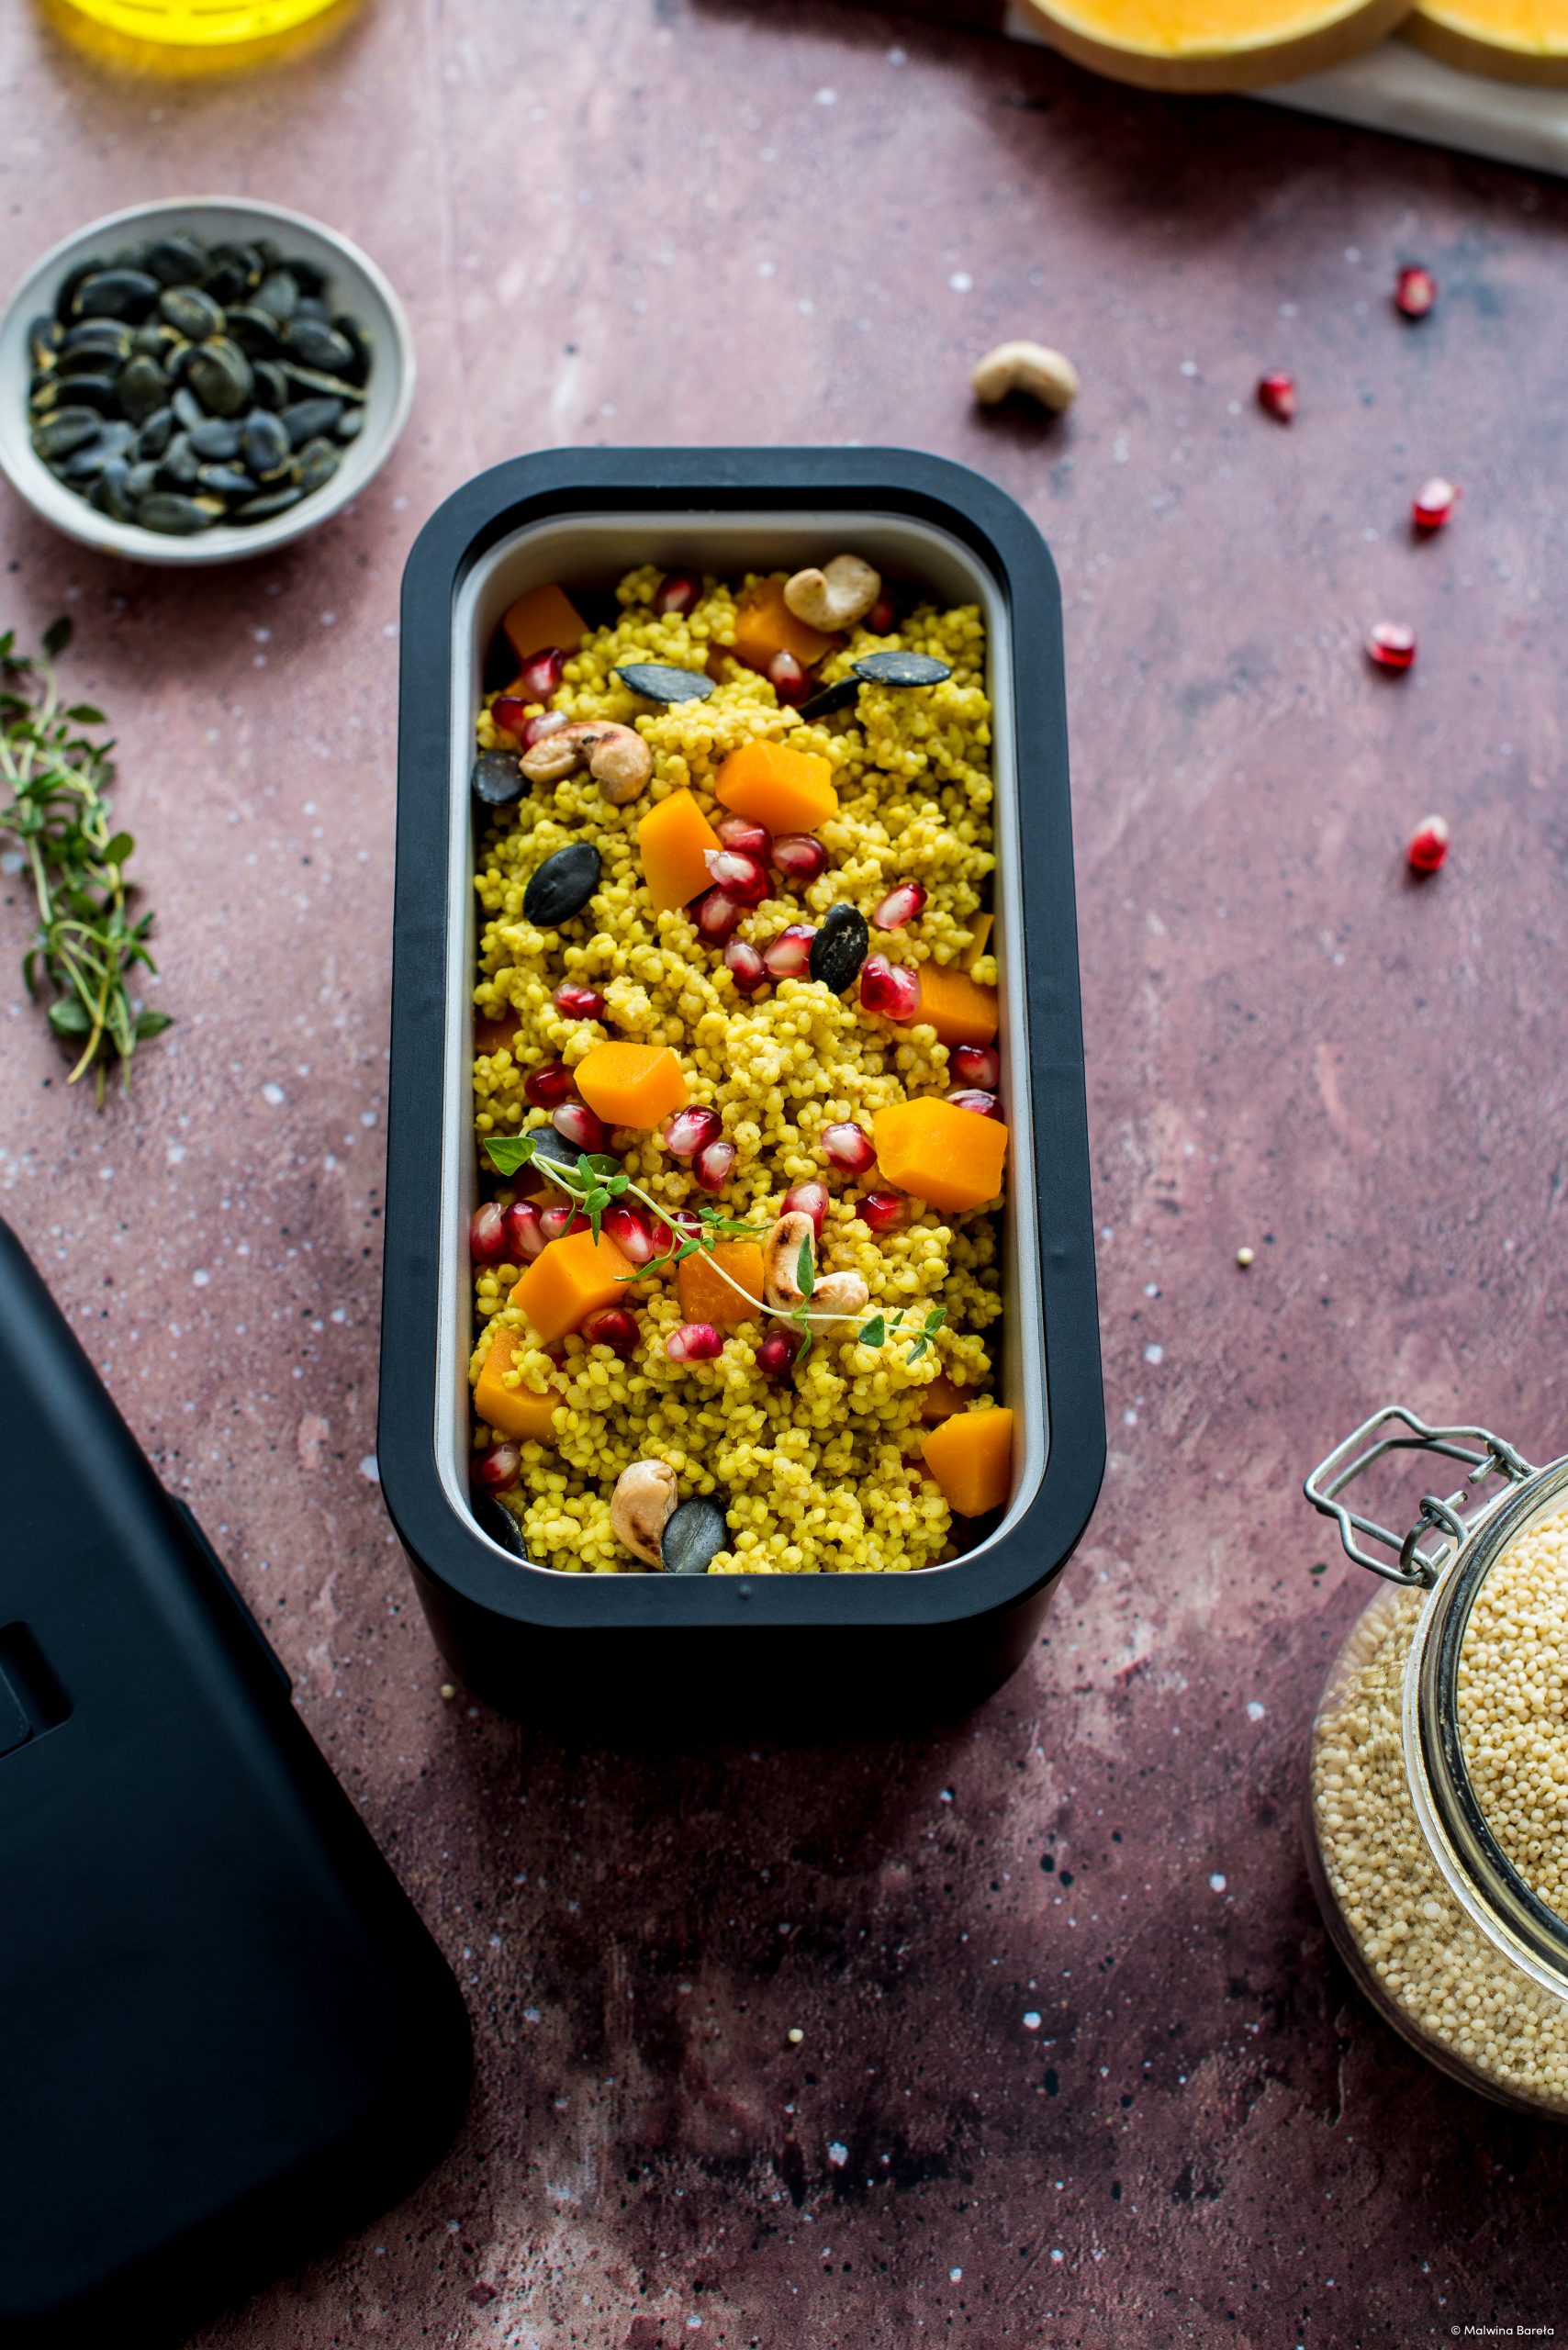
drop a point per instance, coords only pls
(781, 1258)
(642, 1507)
(1031, 368)
(616, 756)
(844, 1295)
(836, 598)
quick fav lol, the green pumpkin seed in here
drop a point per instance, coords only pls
(254, 331)
(839, 947)
(55, 437)
(86, 464)
(693, 1536)
(44, 339)
(305, 420)
(175, 517)
(261, 510)
(279, 296)
(219, 374)
(111, 493)
(176, 261)
(310, 379)
(226, 481)
(179, 464)
(191, 312)
(264, 442)
(561, 886)
(156, 434)
(71, 284)
(316, 464)
(215, 440)
(271, 385)
(143, 389)
(658, 681)
(116, 294)
(349, 425)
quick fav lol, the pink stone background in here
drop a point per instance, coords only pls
(618, 220)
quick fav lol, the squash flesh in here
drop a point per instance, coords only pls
(705, 1296)
(970, 1456)
(568, 1281)
(789, 791)
(961, 1011)
(951, 1157)
(765, 627)
(517, 1411)
(546, 617)
(673, 841)
(632, 1085)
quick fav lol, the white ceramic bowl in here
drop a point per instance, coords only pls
(356, 286)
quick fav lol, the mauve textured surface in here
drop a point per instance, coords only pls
(1077, 2067)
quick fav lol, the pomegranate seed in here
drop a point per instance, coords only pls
(882, 617)
(677, 592)
(694, 1342)
(900, 905)
(1390, 645)
(789, 954)
(500, 1468)
(787, 679)
(549, 1083)
(976, 1065)
(1433, 504)
(541, 673)
(717, 915)
(548, 721)
(775, 1357)
(712, 1164)
(975, 1098)
(486, 1234)
(881, 1210)
(525, 1233)
(578, 1002)
(556, 1220)
(1428, 845)
(849, 1148)
(746, 966)
(800, 856)
(510, 714)
(1276, 394)
(740, 876)
(890, 988)
(613, 1328)
(739, 831)
(1415, 291)
(580, 1125)
(630, 1230)
(807, 1199)
(687, 1227)
(690, 1130)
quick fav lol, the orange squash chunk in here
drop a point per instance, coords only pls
(941, 1400)
(545, 616)
(705, 1297)
(765, 626)
(632, 1085)
(789, 791)
(981, 943)
(970, 1456)
(516, 1411)
(568, 1279)
(674, 840)
(951, 1157)
(958, 1008)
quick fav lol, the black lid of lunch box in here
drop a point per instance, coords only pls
(225, 2036)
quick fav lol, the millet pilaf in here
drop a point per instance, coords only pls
(816, 1458)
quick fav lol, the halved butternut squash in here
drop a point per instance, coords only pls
(958, 1008)
(706, 1297)
(951, 1157)
(789, 791)
(516, 1411)
(1509, 41)
(568, 1279)
(545, 616)
(632, 1085)
(1212, 44)
(765, 626)
(674, 840)
(970, 1456)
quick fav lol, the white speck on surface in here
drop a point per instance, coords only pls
(960, 280)
(1120, 452)
(370, 1469)
(1254, 1712)
(272, 1093)
(390, 629)
(262, 635)
(201, 1278)
(176, 1153)
(1154, 1354)
(768, 268)
(1057, 2254)
(955, 2275)
(339, 1313)
(1151, 1288)
(837, 2154)
(367, 1117)
(1287, 309)
(827, 97)
(947, 1795)
(806, 307)
(1353, 254)
(898, 57)
(1031, 2020)
(1189, 366)
(1217, 1883)
(531, 2015)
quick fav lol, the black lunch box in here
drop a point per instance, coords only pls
(801, 1654)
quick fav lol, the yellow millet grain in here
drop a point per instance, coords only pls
(1513, 1706)
(824, 1476)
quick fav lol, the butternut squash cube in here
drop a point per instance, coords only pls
(632, 1085)
(953, 1157)
(970, 1456)
(958, 1008)
(941, 1400)
(789, 791)
(568, 1281)
(673, 840)
(516, 1411)
(705, 1296)
(545, 616)
(765, 626)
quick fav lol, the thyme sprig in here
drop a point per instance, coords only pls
(87, 943)
(596, 1179)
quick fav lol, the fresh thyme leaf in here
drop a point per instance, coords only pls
(918, 1349)
(805, 1270)
(509, 1152)
(935, 1319)
(616, 1184)
(597, 1201)
(872, 1333)
(54, 781)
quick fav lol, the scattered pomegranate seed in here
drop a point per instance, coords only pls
(739, 831)
(628, 1229)
(549, 1083)
(740, 874)
(559, 1218)
(541, 673)
(881, 1210)
(786, 956)
(1428, 845)
(712, 1164)
(509, 714)
(613, 1328)
(717, 915)
(1415, 291)
(580, 1125)
(976, 1065)
(486, 1234)
(677, 592)
(787, 679)
(848, 1147)
(1433, 504)
(500, 1468)
(548, 721)
(775, 1357)
(525, 1233)
(745, 966)
(883, 616)
(688, 1226)
(900, 905)
(807, 1199)
(800, 856)
(975, 1098)
(892, 990)
(1276, 394)
(1391, 645)
(694, 1342)
(578, 1002)
(690, 1130)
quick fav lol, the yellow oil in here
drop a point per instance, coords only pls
(185, 36)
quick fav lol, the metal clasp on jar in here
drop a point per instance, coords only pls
(1348, 1460)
